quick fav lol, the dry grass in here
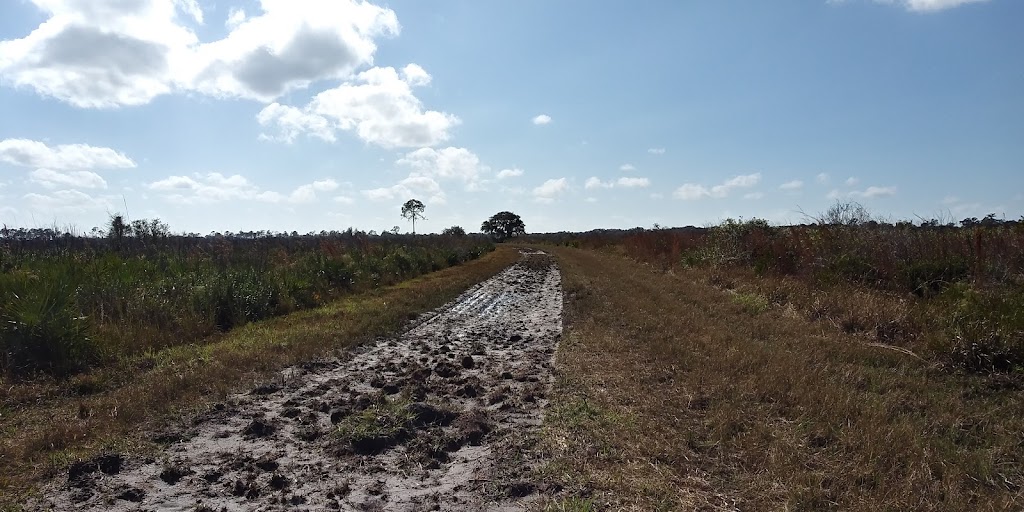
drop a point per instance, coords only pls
(676, 394)
(44, 427)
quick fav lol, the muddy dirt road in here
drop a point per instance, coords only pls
(440, 418)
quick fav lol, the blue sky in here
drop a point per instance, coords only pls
(323, 114)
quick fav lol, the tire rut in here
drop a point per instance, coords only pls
(442, 417)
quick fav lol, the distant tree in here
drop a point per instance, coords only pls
(454, 231)
(118, 229)
(850, 213)
(503, 225)
(412, 210)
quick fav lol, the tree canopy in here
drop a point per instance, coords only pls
(503, 225)
(412, 210)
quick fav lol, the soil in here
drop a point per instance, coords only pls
(444, 417)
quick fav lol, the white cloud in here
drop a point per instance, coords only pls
(624, 182)
(656, 151)
(542, 119)
(378, 105)
(753, 195)
(111, 53)
(591, 199)
(509, 173)
(792, 185)
(633, 182)
(657, 195)
(872, 192)
(851, 181)
(929, 5)
(822, 178)
(448, 163)
(31, 153)
(344, 200)
(236, 16)
(287, 46)
(215, 187)
(627, 168)
(292, 122)
(692, 191)
(76, 179)
(67, 201)
(868, 193)
(421, 187)
(550, 189)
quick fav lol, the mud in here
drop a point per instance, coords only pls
(443, 417)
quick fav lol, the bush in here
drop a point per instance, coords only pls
(40, 327)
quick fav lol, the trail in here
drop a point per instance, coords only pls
(440, 418)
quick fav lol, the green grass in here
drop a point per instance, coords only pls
(70, 304)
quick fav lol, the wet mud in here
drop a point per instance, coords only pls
(443, 417)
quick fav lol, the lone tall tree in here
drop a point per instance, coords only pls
(412, 210)
(503, 225)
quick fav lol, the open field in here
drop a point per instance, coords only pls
(675, 393)
(47, 425)
(694, 372)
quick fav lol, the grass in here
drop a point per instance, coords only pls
(46, 425)
(70, 303)
(671, 395)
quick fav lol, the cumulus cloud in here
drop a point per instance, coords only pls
(448, 163)
(76, 179)
(542, 119)
(633, 182)
(549, 190)
(215, 187)
(656, 151)
(792, 185)
(292, 122)
(413, 186)
(693, 191)
(851, 181)
(68, 201)
(872, 192)
(627, 168)
(822, 178)
(868, 193)
(111, 53)
(31, 153)
(379, 106)
(624, 182)
(595, 182)
(509, 173)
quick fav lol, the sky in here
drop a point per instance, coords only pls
(312, 115)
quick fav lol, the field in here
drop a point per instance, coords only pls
(847, 366)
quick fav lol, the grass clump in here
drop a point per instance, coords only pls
(385, 423)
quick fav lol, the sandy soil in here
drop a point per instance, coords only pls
(442, 418)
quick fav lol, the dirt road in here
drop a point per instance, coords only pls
(441, 418)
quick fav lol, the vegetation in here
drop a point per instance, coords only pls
(953, 295)
(454, 231)
(503, 226)
(48, 424)
(412, 210)
(682, 390)
(69, 302)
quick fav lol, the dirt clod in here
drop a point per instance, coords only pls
(430, 420)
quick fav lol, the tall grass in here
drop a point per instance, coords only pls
(963, 286)
(69, 302)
